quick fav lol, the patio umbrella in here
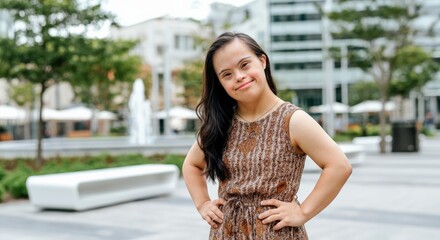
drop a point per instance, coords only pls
(178, 112)
(48, 114)
(106, 115)
(11, 113)
(337, 108)
(75, 114)
(372, 106)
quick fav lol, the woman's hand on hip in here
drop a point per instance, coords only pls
(286, 213)
(211, 213)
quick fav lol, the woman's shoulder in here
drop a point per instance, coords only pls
(289, 108)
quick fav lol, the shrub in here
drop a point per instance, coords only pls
(2, 193)
(133, 159)
(15, 183)
(2, 173)
(118, 131)
(427, 132)
(176, 160)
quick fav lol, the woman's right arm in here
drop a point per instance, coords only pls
(193, 174)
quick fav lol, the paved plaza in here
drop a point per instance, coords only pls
(394, 196)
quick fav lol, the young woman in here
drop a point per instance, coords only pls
(255, 145)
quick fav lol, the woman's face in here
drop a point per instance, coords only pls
(240, 71)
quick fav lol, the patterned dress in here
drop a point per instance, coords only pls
(262, 165)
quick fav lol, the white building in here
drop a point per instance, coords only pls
(250, 18)
(158, 34)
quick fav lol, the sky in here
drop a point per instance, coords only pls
(129, 12)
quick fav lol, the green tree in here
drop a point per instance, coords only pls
(47, 36)
(362, 91)
(385, 30)
(22, 93)
(103, 67)
(416, 68)
(191, 78)
(286, 94)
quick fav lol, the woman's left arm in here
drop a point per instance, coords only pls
(308, 136)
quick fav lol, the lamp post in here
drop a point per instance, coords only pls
(155, 96)
(328, 65)
(344, 83)
(167, 84)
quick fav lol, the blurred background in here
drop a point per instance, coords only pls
(326, 56)
(322, 53)
(109, 83)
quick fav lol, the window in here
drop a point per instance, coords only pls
(299, 50)
(296, 66)
(159, 50)
(296, 38)
(176, 41)
(296, 17)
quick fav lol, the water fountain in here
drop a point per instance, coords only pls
(141, 131)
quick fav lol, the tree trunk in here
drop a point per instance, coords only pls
(382, 121)
(382, 117)
(39, 160)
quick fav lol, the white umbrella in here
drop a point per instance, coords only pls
(11, 113)
(48, 114)
(372, 106)
(337, 108)
(177, 112)
(106, 115)
(75, 114)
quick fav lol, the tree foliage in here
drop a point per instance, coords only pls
(100, 70)
(22, 93)
(286, 94)
(191, 78)
(416, 68)
(362, 91)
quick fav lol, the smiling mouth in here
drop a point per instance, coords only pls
(243, 85)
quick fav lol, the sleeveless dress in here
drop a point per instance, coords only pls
(262, 164)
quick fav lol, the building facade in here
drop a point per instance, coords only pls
(297, 53)
(250, 18)
(159, 34)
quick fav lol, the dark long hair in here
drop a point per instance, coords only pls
(216, 107)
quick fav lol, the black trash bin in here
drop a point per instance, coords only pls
(405, 136)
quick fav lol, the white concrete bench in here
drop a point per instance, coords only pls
(355, 155)
(96, 188)
(372, 143)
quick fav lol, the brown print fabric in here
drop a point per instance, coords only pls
(262, 165)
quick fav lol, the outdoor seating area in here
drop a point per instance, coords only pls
(70, 122)
(97, 188)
